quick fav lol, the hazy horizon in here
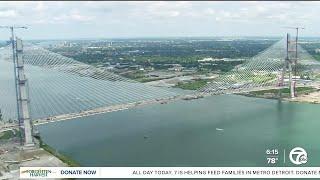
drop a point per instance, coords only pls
(163, 37)
(92, 20)
(152, 37)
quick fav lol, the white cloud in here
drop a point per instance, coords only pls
(169, 18)
(41, 6)
(71, 17)
(8, 13)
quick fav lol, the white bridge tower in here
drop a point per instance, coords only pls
(290, 65)
(23, 96)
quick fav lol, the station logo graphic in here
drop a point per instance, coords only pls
(37, 173)
(298, 156)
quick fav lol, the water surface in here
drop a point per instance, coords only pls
(184, 133)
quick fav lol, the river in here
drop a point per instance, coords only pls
(226, 130)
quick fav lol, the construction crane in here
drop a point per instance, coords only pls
(12, 30)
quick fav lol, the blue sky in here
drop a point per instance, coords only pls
(60, 20)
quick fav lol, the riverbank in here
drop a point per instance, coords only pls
(304, 94)
(65, 159)
(313, 98)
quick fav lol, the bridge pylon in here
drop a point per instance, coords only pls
(24, 118)
(290, 66)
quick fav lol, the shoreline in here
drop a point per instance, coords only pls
(312, 98)
(310, 95)
(65, 159)
(285, 99)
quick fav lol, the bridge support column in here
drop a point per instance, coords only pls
(292, 89)
(23, 97)
(291, 82)
(288, 65)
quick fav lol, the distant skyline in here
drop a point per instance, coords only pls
(74, 20)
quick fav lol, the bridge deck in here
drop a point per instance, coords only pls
(107, 109)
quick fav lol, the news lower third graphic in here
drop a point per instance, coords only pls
(296, 156)
(168, 172)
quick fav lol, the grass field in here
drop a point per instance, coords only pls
(197, 84)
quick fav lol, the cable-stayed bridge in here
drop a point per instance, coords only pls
(267, 70)
(60, 85)
(61, 88)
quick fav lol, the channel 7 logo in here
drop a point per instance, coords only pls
(298, 156)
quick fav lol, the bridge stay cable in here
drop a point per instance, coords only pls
(60, 85)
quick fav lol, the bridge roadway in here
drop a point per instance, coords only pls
(114, 108)
(120, 107)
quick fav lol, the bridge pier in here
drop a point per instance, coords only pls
(292, 83)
